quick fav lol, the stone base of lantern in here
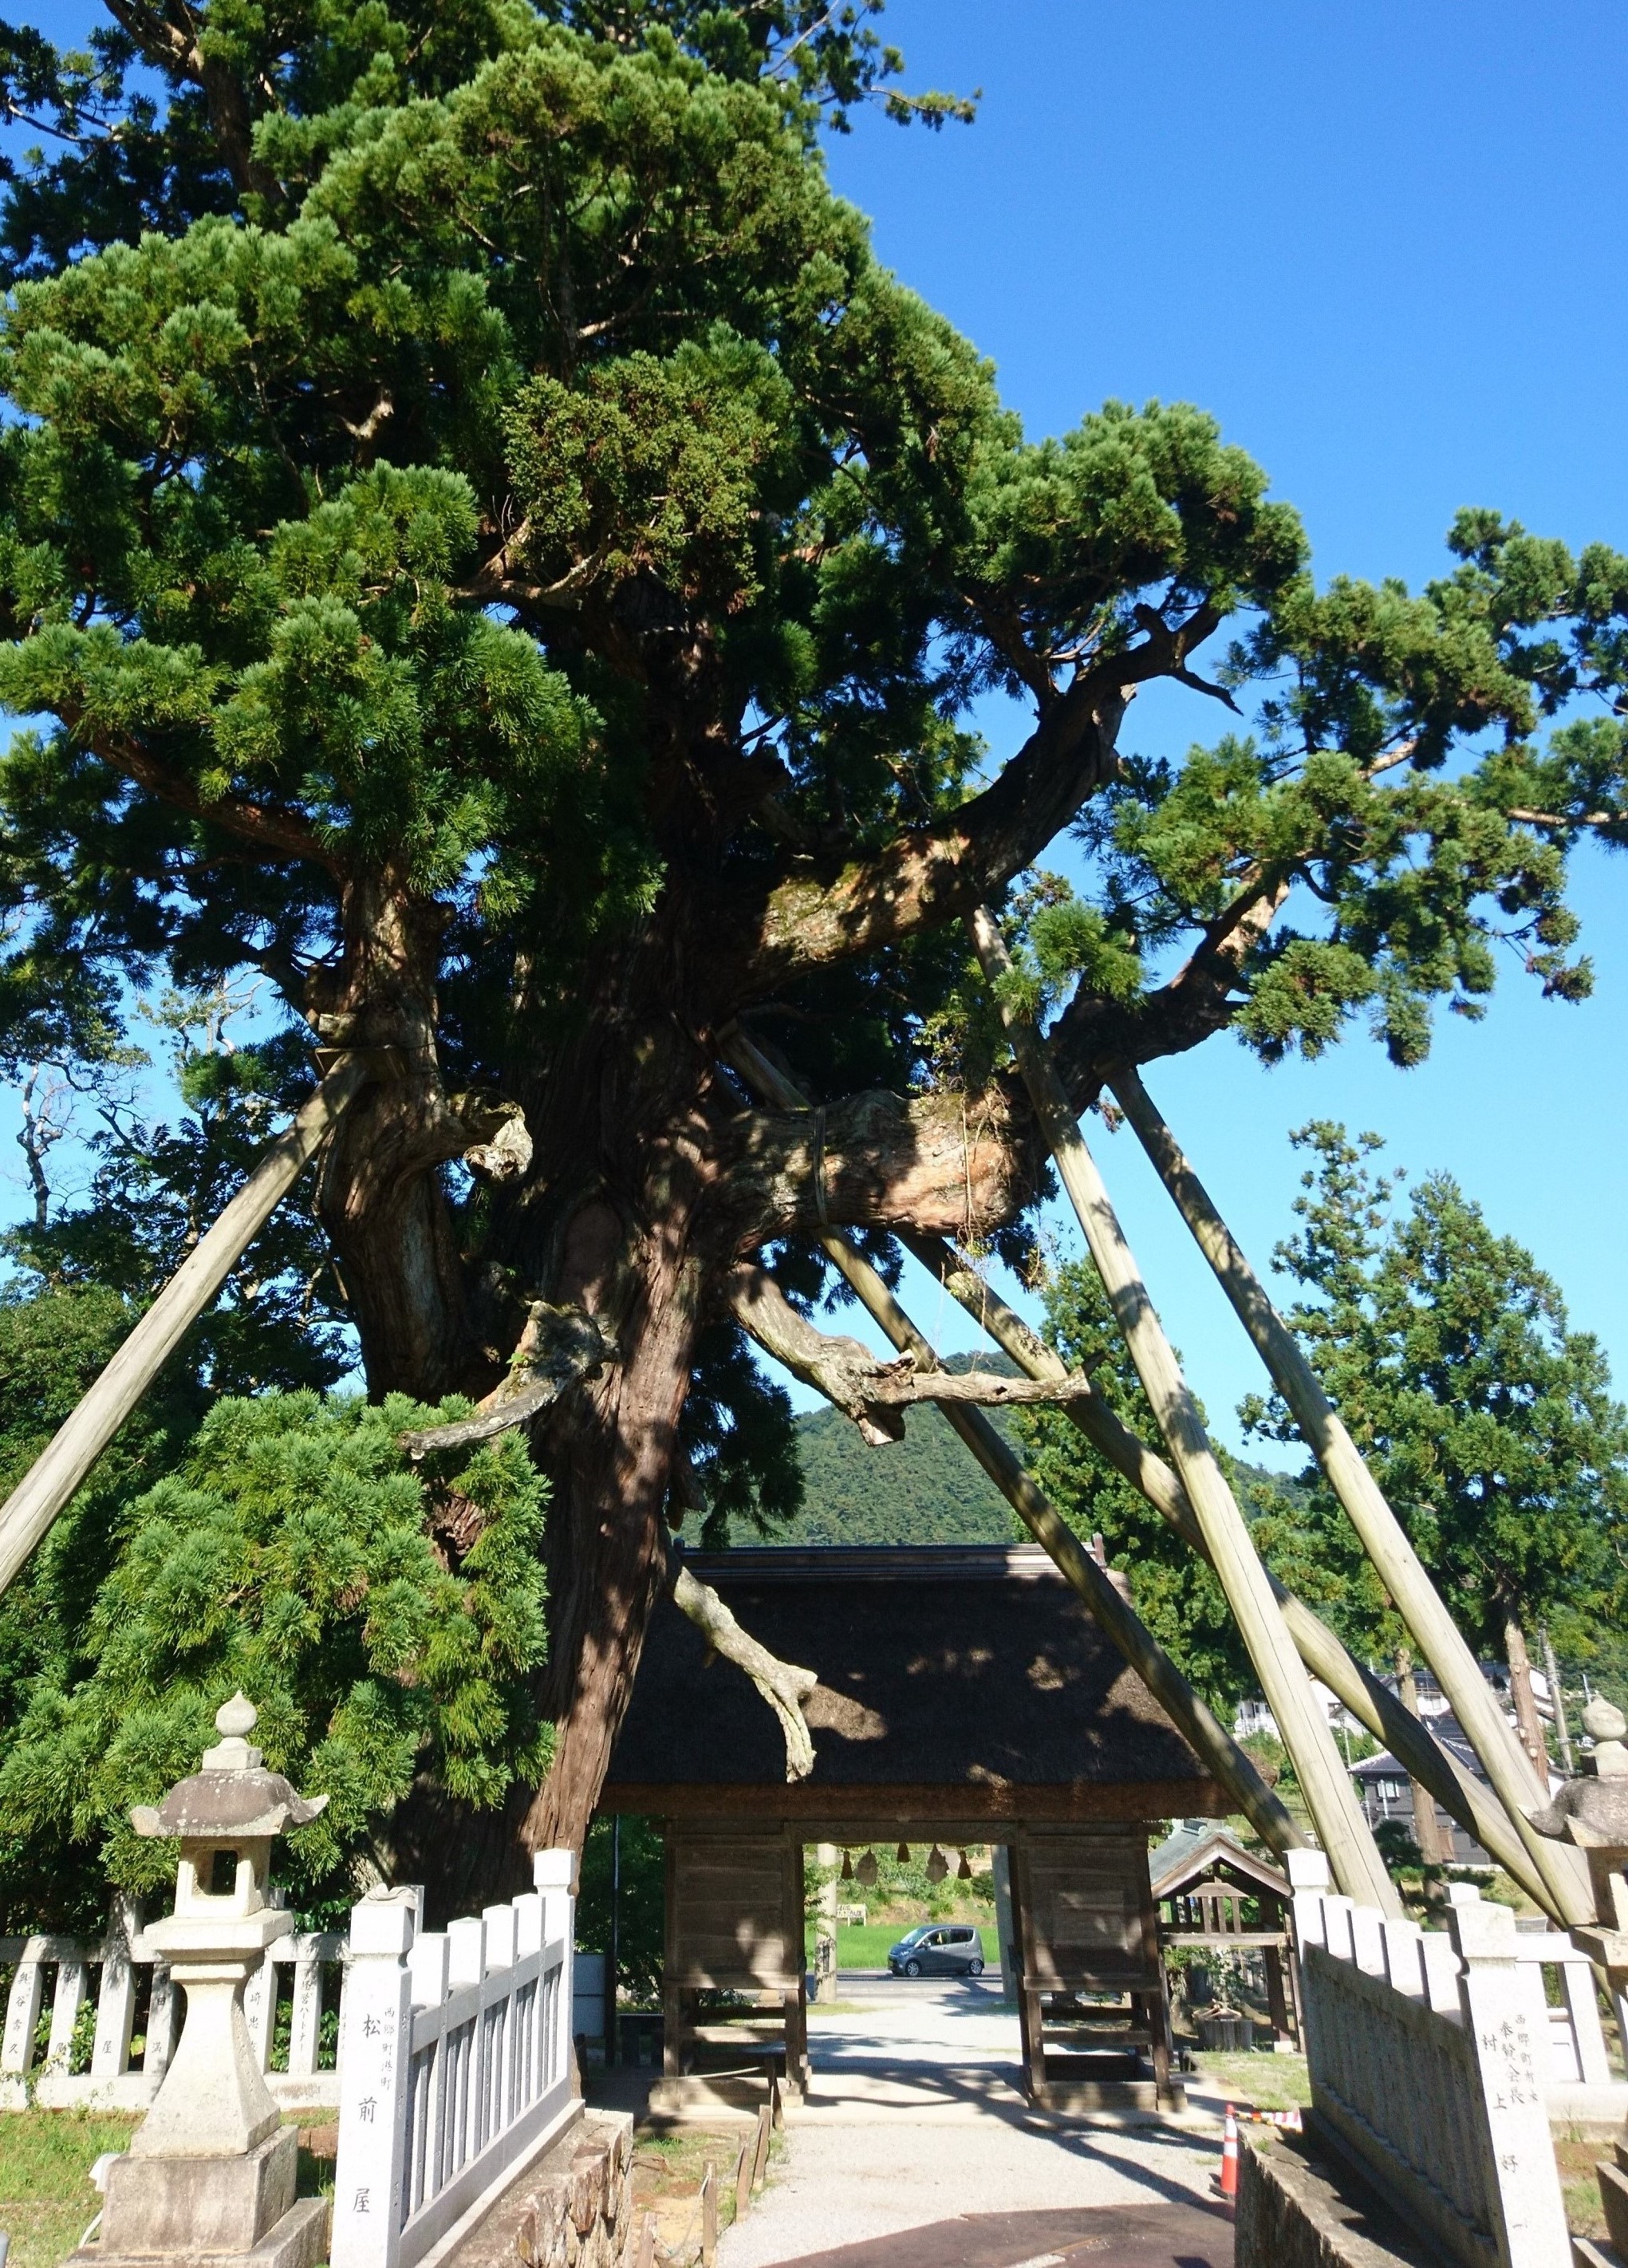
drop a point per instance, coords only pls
(210, 2212)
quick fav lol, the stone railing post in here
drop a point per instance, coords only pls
(376, 2020)
(1308, 1878)
(116, 2005)
(1522, 2174)
(554, 1875)
(163, 2021)
(22, 2009)
(306, 2014)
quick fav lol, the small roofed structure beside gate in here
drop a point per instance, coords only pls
(965, 1697)
(1211, 1894)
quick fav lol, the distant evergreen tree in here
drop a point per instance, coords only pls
(1489, 1421)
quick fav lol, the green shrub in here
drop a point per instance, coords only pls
(292, 1554)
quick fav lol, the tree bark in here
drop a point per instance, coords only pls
(610, 1463)
(1556, 1702)
(1520, 1693)
(1426, 1826)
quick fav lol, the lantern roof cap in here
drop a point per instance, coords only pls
(232, 1796)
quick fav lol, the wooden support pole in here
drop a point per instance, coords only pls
(1325, 1783)
(1511, 1771)
(49, 1482)
(1114, 1614)
(1464, 1798)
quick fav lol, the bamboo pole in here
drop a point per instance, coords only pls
(1115, 1615)
(1506, 1763)
(51, 1480)
(1355, 1687)
(1324, 1781)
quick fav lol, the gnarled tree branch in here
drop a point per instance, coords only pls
(874, 1394)
(935, 872)
(782, 1683)
(959, 1165)
(559, 1346)
(1095, 1036)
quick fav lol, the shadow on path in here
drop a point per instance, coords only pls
(1190, 2236)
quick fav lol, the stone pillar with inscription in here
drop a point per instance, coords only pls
(1592, 1814)
(1511, 2055)
(374, 2026)
(210, 2176)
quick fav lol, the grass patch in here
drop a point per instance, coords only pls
(1262, 2082)
(46, 2198)
(667, 2168)
(1580, 2186)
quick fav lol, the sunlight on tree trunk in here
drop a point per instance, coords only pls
(1520, 1693)
(1426, 1826)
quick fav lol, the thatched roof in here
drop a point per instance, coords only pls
(954, 1681)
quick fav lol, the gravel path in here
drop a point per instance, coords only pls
(915, 2119)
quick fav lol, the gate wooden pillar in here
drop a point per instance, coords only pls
(734, 1923)
(1087, 1926)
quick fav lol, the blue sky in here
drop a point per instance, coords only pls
(1385, 247)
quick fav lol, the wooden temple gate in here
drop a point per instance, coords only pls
(966, 1696)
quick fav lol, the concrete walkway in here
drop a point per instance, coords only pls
(917, 2146)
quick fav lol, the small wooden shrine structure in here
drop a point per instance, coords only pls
(1204, 1885)
(965, 1697)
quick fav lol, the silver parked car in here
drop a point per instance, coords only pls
(938, 1948)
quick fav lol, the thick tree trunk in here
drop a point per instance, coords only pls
(1556, 1702)
(380, 1196)
(1520, 1693)
(608, 1556)
(1426, 1826)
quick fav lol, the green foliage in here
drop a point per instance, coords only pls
(1488, 1421)
(350, 456)
(640, 1906)
(289, 1554)
(155, 1185)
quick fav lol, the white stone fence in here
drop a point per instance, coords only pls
(1430, 2058)
(456, 2050)
(1578, 2083)
(299, 1972)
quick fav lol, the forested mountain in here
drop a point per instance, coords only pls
(924, 1488)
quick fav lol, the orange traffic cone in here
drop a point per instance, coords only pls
(1228, 2183)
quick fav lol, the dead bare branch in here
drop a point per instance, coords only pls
(873, 1391)
(782, 1683)
(559, 1347)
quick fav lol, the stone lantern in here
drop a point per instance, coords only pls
(211, 2173)
(1593, 1814)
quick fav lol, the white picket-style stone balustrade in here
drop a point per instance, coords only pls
(109, 1966)
(1428, 2058)
(456, 2050)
